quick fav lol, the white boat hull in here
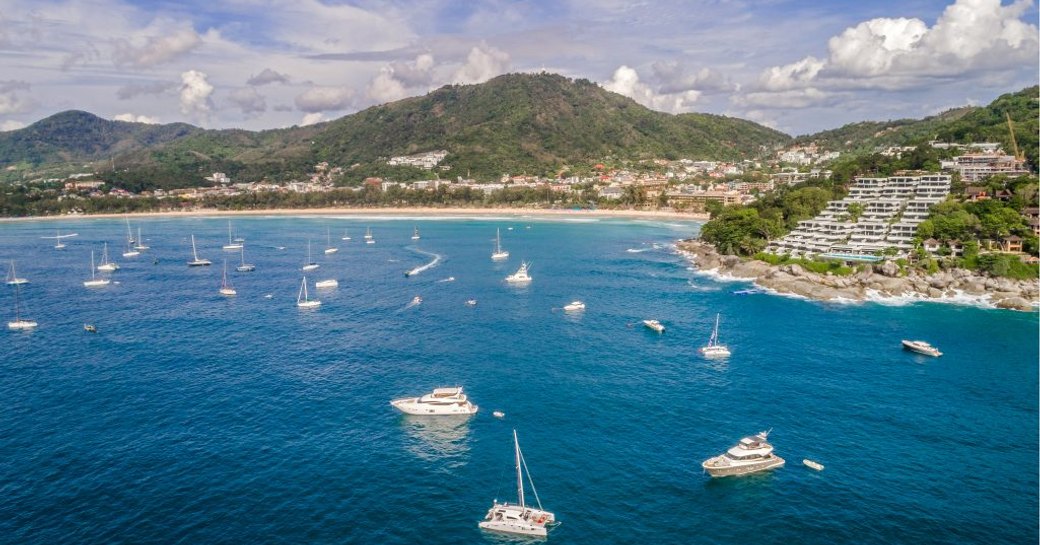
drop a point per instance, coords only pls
(245, 268)
(922, 350)
(326, 284)
(331, 250)
(411, 405)
(232, 247)
(22, 324)
(228, 292)
(109, 268)
(715, 352)
(513, 528)
(716, 469)
(96, 283)
(309, 304)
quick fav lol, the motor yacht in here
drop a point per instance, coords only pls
(520, 276)
(655, 325)
(326, 284)
(574, 306)
(441, 402)
(752, 454)
(921, 347)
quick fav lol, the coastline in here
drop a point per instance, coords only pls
(399, 211)
(883, 283)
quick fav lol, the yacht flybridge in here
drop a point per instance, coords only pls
(714, 349)
(519, 518)
(441, 402)
(752, 454)
(520, 276)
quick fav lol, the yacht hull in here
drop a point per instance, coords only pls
(411, 405)
(714, 469)
(513, 528)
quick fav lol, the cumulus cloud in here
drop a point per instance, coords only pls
(483, 63)
(324, 98)
(11, 125)
(137, 118)
(195, 94)
(248, 100)
(132, 90)
(11, 99)
(400, 79)
(312, 118)
(155, 49)
(790, 98)
(267, 76)
(625, 81)
(791, 76)
(676, 78)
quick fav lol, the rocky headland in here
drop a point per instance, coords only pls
(878, 282)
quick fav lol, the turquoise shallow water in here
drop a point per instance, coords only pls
(190, 418)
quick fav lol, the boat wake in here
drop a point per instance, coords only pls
(421, 268)
(448, 279)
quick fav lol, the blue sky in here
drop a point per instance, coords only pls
(797, 66)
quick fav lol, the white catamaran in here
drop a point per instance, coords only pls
(519, 518)
(498, 253)
(714, 349)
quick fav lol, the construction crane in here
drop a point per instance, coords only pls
(1014, 143)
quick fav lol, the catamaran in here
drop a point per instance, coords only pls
(309, 265)
(231, 244)
(140, 246)
(498, 254)
(94, 281)
(519, 518)
(225, 285)
(714, 349)
(302, 300)
(106, 265)
(245, 267)
(19, 322)
(329, 248)
(196, 261)
(12, 277)
(415, 234)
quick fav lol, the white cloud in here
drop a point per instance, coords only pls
(11, 99)
(401, 79)
(312, 118)
(483, 63)
(137, 118)
(155, 49)
(11, 125)
(674, 77)
(267, 76)
(385, 87)
(248, 100)
(324, 98)
(791, 76)
(625, 81)
(195, 94)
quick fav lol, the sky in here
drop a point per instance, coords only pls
(796, 66)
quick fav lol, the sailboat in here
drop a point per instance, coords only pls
(519, 518)
(129, 234)
(345, 236)
(415, 233)
(499, 254)
(130, 250)
(714, 349)
(231, 244)
(368, 236)
(106, 265)
(309, 265)
(140, 246)
(195, 260)
(19, 322)
(245, 267)
(59, 245)
(329, 249)
(302, 300)
(12, 277)
(225, 285)
(94, 281)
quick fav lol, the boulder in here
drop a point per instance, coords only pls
(890, 268)
(1014, 303)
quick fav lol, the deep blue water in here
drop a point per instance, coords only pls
(191, 418)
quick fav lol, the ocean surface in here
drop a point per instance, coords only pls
(194, 418)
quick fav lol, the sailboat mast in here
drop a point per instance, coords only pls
(519, 475)
(194, 253)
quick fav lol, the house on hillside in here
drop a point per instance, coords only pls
(1011, 244)
(931, 245)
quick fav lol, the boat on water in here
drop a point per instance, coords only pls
(921, 347)
(231, 245)
(243, 266)
(368, 236)
(196, 261)
(302, 298)
(309, 265)
(89, 328)
(129, 233)
(498, 254)
(141, 246)
(471, 302)
(345, 235)
(714, 349)
(329, 248)
(19, 322)
(751, 291)
(574, 306)
(519, 518)
(654, 325)
(58, 237)
(326, 284)
(440, 402)
(415, 234)
(106, 265)
(751, 455)
(94, 281)
(521, 275)
(12, 277)
(416, 300)
(131, 251)
(226, 288)
(813, 464)
(498, 414)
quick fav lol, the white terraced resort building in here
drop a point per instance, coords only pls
(892, 209)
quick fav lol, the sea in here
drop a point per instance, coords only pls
(194, 418)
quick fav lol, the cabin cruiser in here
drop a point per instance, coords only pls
(574, 306)
(520, 276)
(921, 347)
(752, 454)
(441, 402)
(655, 325)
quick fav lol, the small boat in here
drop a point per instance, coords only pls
(89, 328)
(12, 277)
(498, 414)
(140, 246)
(129, 233)
(921, 347)
(574, 306)
(440, 402)
(196, 261)
(58, 237)
(19, 322)
(368, 236)
(226, 288)
(94, 281)
(329, 248)
(325, 284)
(231, 245)
(751, 455)
(520, 276)
(309, 265)
(813, 464)
(345, 236)
(416, 300)
(131, 251)
(415, 234)
(498, 254)
(714, 349)
(302, 300)
(654, 325)
(106, 265)
(519, 518)
(471, 302)
(245, 267)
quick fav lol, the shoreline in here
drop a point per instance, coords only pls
(399, 211)
(883, 283)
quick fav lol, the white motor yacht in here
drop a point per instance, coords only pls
(441, 402)
(714, 349)
(519, 518)
(574, 306)
(921, 347)
(520, 276)
(655, 325)
(326, 284)
(752, 454)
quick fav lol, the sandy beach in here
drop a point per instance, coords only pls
(403, 211)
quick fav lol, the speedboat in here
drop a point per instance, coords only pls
(90, 328)
(471, 302)
(655, 325)
(324, 284)
(440, 402)
(921, 347)
(519, 518)
(498, 414)
(416, 300)
(520, 276)
(574, 306)
(752, 454)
